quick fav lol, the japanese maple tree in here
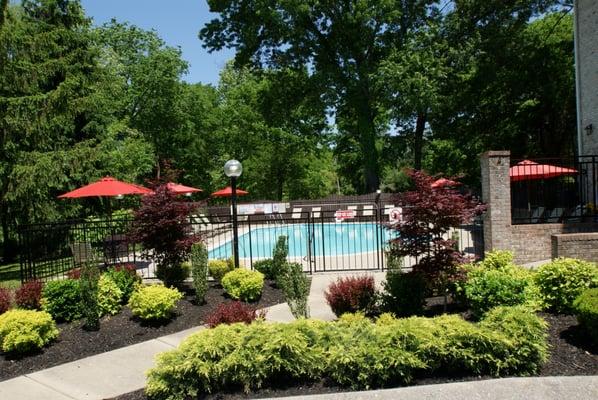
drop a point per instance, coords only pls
(428, 215)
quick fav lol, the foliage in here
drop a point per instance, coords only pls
(404, 293)
(265, 267)
(428, 215)
(88, 285)
(562, 280)
(231, 312)
(22, 331)
(154, 302)
(243, 284)
(29, 295)
(350, 352)
(95, 229)
(351, 294)
(161, 226)
(279, 257)
(126, 278)
(295, 286)
(62, 299)
(199, 267)
(585, 308)
(5, 300)
(219, 268)
(109, 296)
(497, 282)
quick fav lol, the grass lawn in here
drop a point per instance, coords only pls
(10, 272)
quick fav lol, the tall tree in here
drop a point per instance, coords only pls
(342, 43)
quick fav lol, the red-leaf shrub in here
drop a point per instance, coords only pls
(130, 268)
(351, 294)
(74, 273)
(428, 215)
(29, 295)
(161, 225)
(231, 312)
(5, 300)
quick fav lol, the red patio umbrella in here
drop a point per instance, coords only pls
(228, 191)
(528, 170)
(181, 189)
(443, 182)
(106, 187)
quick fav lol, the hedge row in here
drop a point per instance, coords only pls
(353, 351)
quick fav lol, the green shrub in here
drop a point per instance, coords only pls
(562, 280)
(279, 257)
(526, 330)
(22, 331)
(199, 267)
(496, 259)
(219, 268)
(126, 279)
(351, 352)
(489, 285)
(243, 284)
(88, 285)
(154, 302)
(586, 309)
(62, 299)
(295, 286)
(109, 296)
(404, 294)
(265, 267)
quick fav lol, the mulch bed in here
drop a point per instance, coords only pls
(570, 354)
(123, 329)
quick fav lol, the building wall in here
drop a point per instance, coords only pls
(586, 53)
(580, 245)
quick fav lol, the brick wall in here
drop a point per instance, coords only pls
(586, 47)
(576, 245)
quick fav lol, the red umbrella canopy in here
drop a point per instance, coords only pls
(181, 189)
(228, 191)
(443, 182)
(528, 170)
(106, 187)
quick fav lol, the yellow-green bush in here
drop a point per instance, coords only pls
(243, 284)
(154, 302)
(562, 280)
(22, 331)
(109, 296)
(353, 351)
(219, 268)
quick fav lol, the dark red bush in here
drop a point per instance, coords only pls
(29, 295)
(352, 294)
(5, 300)
(130, 268)
(231, 312)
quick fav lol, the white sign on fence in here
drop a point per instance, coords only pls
(395, 215)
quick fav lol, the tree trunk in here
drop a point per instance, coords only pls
(367, 139)
(7, 250)
(418, 141)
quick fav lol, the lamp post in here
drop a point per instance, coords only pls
(233, 170)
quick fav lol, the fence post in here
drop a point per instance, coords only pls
(496, 193)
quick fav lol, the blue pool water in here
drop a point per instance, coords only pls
(330, 239)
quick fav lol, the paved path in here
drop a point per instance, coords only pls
(123, 370)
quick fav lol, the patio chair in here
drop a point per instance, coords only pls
(296, 213)
(576, 215)
(555, 215)
(536, 215)
(368, 210)
(316, 212)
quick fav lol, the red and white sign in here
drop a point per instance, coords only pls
(344, 214)
(395, 215)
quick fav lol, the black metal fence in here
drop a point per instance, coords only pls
(554, 190)
(317, 238)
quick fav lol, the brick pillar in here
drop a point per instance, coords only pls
(496, 193)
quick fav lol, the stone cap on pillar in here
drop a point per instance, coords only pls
(496, 153)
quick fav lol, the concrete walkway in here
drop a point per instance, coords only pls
(123, 370)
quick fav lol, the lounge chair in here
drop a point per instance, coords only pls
(536, 215)
(296, 213)
(368, 210)
(316, 212)
(555, 215)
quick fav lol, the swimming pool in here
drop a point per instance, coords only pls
(329, 239)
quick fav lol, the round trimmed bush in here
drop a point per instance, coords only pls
(154, 302)
(562, 280)
(243, 284)
(586, 309)
(62, 299)
(404, 293)
(109, 296)
(351, 294)
(29, 295)
(22, 331)
(219, 268)
(266, 267)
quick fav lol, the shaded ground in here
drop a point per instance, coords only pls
(571, 354)
(122, 330)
